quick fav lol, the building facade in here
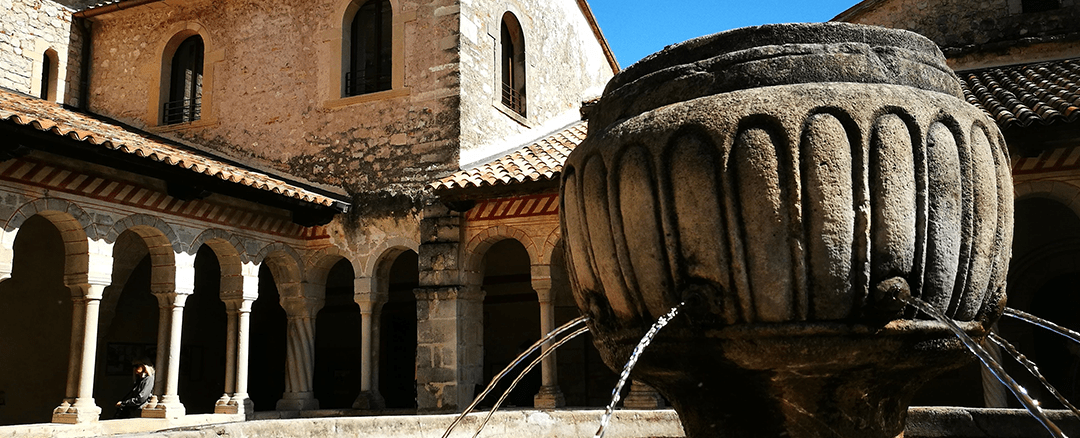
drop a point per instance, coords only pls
(238, 191)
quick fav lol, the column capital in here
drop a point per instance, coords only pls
(171, 298)
(87, 291)
(238, 303)
(302, 307)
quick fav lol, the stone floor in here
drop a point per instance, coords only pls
(923, 422)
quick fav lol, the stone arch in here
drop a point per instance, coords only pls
(76, 228)
(283, 261)
(1060, 191)
(230, 254)
(318, 263)
(479, 244)
(388, 250)
(550, 244)
(161, 241)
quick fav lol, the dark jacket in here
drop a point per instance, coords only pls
(139, 394)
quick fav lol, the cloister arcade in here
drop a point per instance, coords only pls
(88, 288)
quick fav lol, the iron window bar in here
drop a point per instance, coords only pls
(182, 111)
(513, 99)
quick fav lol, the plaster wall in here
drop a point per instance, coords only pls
(272, 87)
(27, 29)
(565, 64)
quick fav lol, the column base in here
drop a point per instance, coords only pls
(298, 401)
(549, 397)
(643, 396)
(238, 404)
(369, 400)
(167, 407)
(82, 411)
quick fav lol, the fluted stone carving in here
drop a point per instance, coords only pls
(785, 181)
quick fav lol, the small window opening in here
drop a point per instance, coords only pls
(513, 64)
(1039, 5)
(370, 40)
(185, 83)
(49, 65)
(46, 67)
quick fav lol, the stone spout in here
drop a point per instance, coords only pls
(788, 183)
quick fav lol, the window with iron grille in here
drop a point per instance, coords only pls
(370, 40)
(513, 64)
(185, 83)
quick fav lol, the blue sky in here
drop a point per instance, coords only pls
(636, 28)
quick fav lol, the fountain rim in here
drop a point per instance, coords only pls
(739, 40)
(764, 330)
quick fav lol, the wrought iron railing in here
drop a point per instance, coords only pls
(181, 111)
(359, 83)
(513, 99)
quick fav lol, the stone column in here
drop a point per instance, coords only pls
(169, 405)
(550, 396)
(369, 301)
(238, 303)
(232, 307)
(240, 399)
(87, 290)
(78, 321)
(642, 396)
(161, 359)
(300, 348)
(83, 409)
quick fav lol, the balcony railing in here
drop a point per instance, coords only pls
(513, 99)
(358, 83)
(182, 111)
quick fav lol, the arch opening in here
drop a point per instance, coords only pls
(511, 316)
(397, 334)
(35, 325)
(337, 341)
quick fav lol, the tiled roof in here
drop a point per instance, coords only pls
(1023, 95)
(538, 161)
(52, 118)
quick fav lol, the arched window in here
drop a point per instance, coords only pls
(185, 83)
(49, 64)
(513, 64)
(369, 48)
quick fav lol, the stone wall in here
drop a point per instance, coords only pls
(998, 26)
(565, 64)
(27, 29)
(272, 87)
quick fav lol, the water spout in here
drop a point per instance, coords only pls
(625, 375)
(532, 365)
(988, 361)
(521, 357)
(1049, 325)
(1033, 369)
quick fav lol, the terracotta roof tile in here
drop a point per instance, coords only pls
(1023, 95)
(50, 117)
(539, 161)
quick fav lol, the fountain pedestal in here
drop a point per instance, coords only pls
(787, 183)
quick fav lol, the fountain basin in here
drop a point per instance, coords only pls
(788, 183)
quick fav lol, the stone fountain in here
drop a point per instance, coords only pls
(790, 184)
